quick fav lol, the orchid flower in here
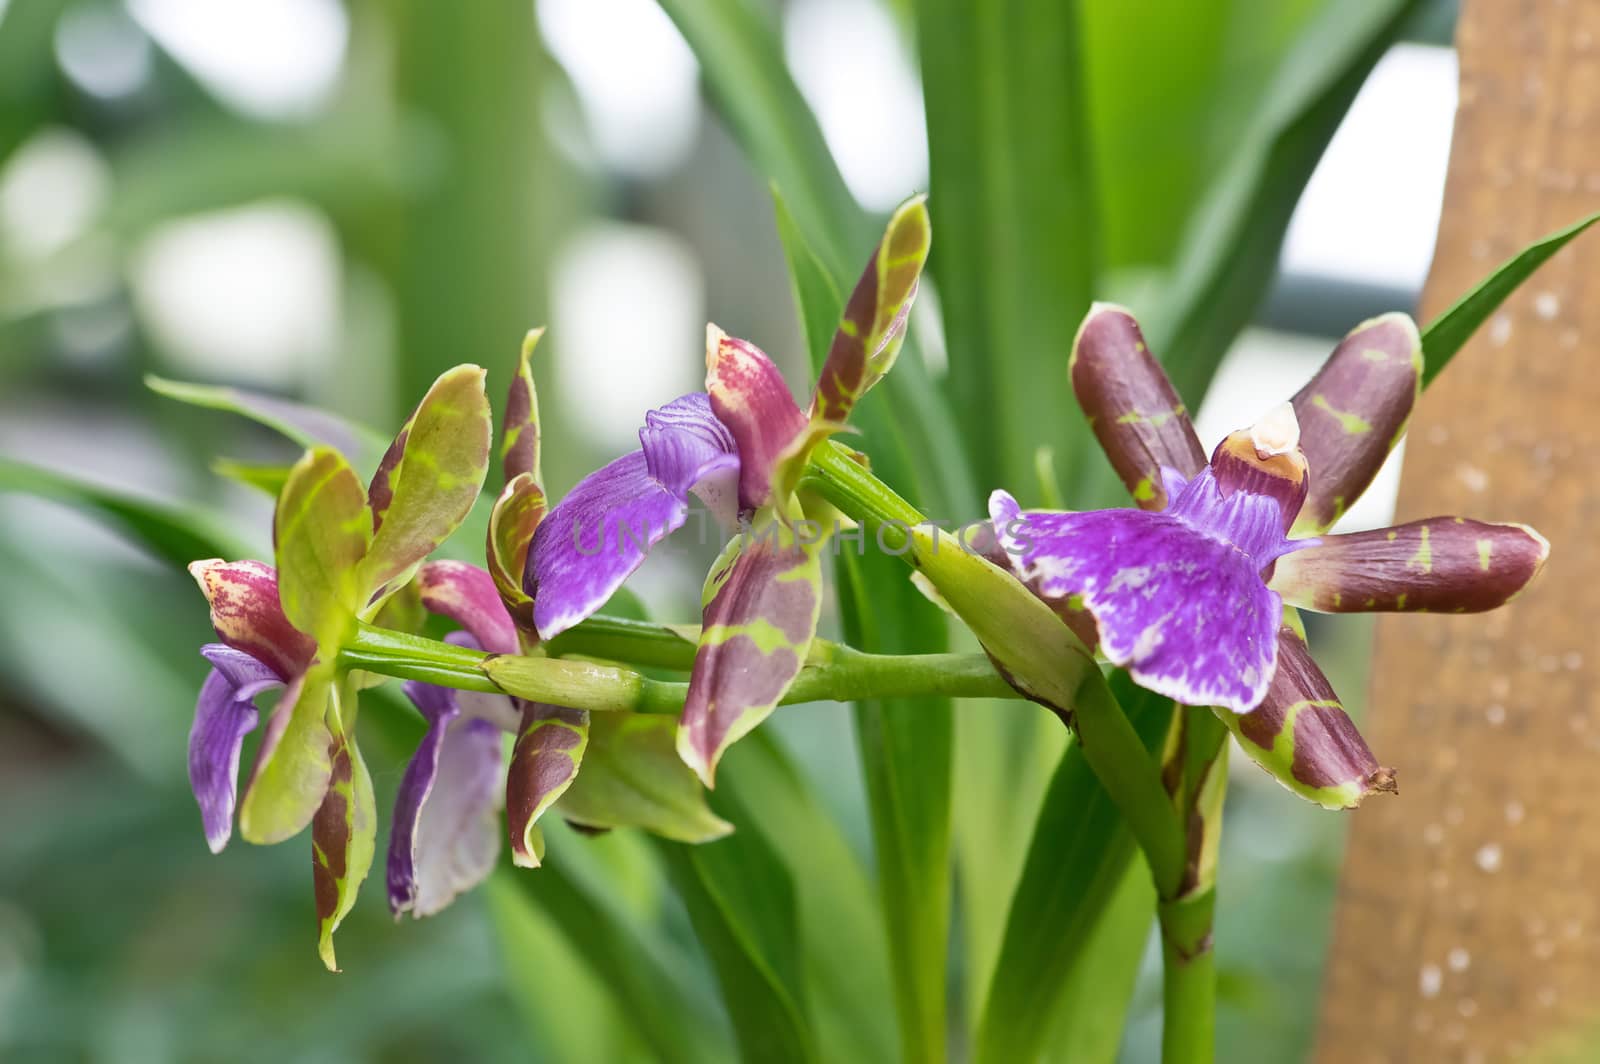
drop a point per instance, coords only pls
(1189, 592)
(342, 553)
(740, 447)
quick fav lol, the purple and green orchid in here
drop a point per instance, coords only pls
(1193, 593)
(740, 446)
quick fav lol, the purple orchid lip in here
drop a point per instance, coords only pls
(224, 715)
(445, 835)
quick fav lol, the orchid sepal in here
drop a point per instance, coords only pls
(429, 478)
(343, 832)
(761, 604)
(872, 329)
(549, 750)
(519, 445)
(1354, 411)
(1437, 565)
(1140, 421)
(1303, 738)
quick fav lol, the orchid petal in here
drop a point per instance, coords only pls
(343, 840)
(1440, 565)
(512, 522)
(550, 747)
(519, 449)
(1354, 411)
(1185, 612)
(322, 530)
(467, 595)
(444, 839)
(290, 776)
(430, 476)
(223, 716)
(599, 534)
(869, 338)
(750, 397)
(1139, 420)
(633, 778)
(761, 604)
(247, 615)
(1301, 735)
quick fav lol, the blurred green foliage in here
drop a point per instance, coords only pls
(1150, 149)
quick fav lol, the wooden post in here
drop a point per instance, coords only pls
(1468, 920)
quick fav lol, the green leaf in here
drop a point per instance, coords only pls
(269, 479)
(906, 750)
(1012, 186)
(322, 529)
(816, 297)
(305, 425)
(1230, 252)
(1076, 865)
(430, 476)
(906, 745)
(176, 534)
(654, 988)
(743, 64)
(841, 933)
(1447, 333)
(741, 900)
(632, 777)
(1159, 140)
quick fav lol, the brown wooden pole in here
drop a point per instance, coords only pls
(1468, 919)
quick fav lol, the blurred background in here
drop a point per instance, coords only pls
(334, 202)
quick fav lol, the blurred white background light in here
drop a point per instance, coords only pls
(267, 58)
(628, 325)
(250, 295)
(851, 64)
(635, 77)
(1372, 207)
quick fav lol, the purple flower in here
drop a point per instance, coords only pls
(1188, 592)
(740, 446)
(260, 651)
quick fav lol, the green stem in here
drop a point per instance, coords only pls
(647, 644)
(1188, 979)
(846, 676)
(1110, 745)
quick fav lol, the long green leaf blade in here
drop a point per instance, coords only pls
(1016, 256)
(1447, 333)
(1231, 256)
(1076, 864)
(175, 534)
